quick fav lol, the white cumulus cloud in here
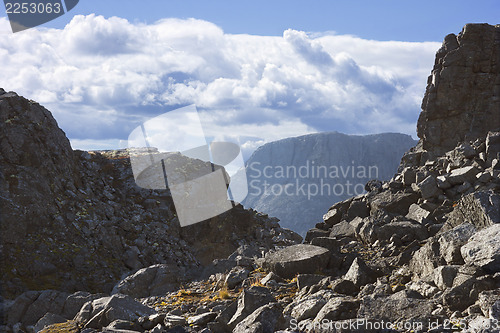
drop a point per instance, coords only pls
(102, 77)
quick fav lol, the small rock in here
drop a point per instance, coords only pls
(443, 276)
(342, 229)
(202, 319)
(250, 300)
(174, 321)
(417, 213)
(428, 187)
(271, 277)
(268, 318)
(462, 175)
(47, 320)
(360, 274)
(307, 280)
(236, 276)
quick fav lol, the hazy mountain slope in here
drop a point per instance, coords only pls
(297, 179)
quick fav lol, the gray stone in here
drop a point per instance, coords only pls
(423, 288)
(461, 295)
(417, 213)
(314, 233)
(307, 280)
(360, 274)
(333, 216)
(249, 301)
(495, 311)
(75, 301)
(301, 258)
(442, 249)
(397, 203)
(267, 318)
(492, 145)
(236, 276)
(120, 324)
(483, 249)
(443, 276)
(338, 308)
(395, 307)
(466, 150)
(408, 229)
(342, 229)
(103, 311)
(409, 176)
(172, 321)
(150, 281)
(271, 277)
(442, 182)
(462, 175)
(48, 320)
(306, 308)
(202, 319)
(461, 99)
(358, 209)
(450, 242)
(489, 302)
(428, 187)
(331, 244)
(479, 208)
(30, 306)
(344, 287)
(480, 325)
(483, 177)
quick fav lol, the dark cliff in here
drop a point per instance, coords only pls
(462, 101)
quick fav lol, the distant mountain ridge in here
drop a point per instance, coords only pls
(297, 179)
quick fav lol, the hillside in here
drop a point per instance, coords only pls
(297, 179)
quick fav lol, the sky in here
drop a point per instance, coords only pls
(258, 70)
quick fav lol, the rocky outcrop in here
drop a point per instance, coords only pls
(297, 179)
(461, 100)
(74, 220)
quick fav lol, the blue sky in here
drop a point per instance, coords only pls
(417, 21)
(260, 70)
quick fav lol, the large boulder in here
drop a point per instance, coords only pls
(483, 249)
(301, 258)
(150, 281)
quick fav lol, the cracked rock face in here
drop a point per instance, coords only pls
(461, 100)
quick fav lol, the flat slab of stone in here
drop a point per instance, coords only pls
(461, 175)
(295, 259)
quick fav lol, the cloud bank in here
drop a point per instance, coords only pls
(103, 77)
